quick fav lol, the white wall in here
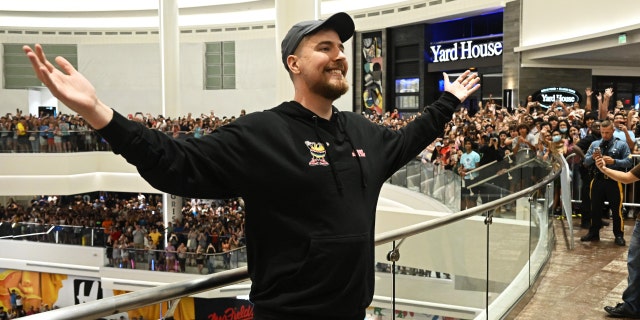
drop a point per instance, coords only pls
(68, 173)
(127, 78)
(125, 69)
(551, 20)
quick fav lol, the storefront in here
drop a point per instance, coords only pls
(401, 67)
(474, 43)
(625, 89)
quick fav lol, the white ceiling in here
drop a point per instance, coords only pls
(101, 14)
(595, 51)
(118, 14)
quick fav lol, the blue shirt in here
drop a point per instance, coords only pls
(619, 151)
(470, 161)
(617, 133)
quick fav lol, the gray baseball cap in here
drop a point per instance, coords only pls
(339, 22)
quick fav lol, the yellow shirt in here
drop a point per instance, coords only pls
(155, 236)
(21, 130)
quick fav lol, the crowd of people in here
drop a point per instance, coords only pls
(18, 308)
(134, 230)
(472, 139)
(131, 227)
(21, 132)
(532, 130)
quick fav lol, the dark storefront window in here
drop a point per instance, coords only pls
(407, 94)
(470, 43)
(625, 89)
(484, 25)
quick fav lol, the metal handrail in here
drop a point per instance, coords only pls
(405, 232)
(176, 290)
(518, 166)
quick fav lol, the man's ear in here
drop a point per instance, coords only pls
(292, 62)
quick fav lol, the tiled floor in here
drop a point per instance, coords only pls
(579, 283)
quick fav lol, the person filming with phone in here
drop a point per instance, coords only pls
(615, 154)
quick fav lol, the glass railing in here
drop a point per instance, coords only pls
(475, 263)
(128, 257)
(71, 141)
(84, 140)
(171, 261)
(480, 266)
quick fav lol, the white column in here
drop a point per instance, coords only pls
(288, 13)
(170, 57)
(172, 205)
(170, 76)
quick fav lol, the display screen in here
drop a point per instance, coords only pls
(407, 85)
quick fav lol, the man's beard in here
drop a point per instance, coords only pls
(331, 90)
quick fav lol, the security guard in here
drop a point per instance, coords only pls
(616, 154)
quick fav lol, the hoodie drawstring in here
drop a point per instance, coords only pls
(326, 148)
(341, 129)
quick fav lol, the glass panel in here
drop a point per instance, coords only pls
(407, 85)
(214, 47)
(408, 69)
(61, 50)
(18, 73)
(410, 52)
(624, 87)
(228, 70)
(214, 71)
(408, 102)
(229, 82)
(229, 47)
(16, 60)
(17, 70)
(213, 59)
(229, 58)
(220, 60)
(13, 49)
(214, 83)
(21, 82)
(517, 231)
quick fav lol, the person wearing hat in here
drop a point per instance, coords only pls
(331, 165)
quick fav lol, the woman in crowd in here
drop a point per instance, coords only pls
(182, 256)
(200, 258)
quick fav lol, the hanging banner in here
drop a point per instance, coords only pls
(372, 97)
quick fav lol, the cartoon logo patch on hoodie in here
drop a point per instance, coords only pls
(318, 153)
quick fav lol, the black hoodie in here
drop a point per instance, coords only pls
(310, 186)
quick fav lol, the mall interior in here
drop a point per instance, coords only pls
(514, 256)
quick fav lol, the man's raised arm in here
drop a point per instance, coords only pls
(70, 87)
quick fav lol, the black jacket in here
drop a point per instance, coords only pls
(310, 187)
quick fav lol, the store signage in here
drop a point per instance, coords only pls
(223, 309)
(463, 50)
(548, 96)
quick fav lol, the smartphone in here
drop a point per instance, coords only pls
(597, 152)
